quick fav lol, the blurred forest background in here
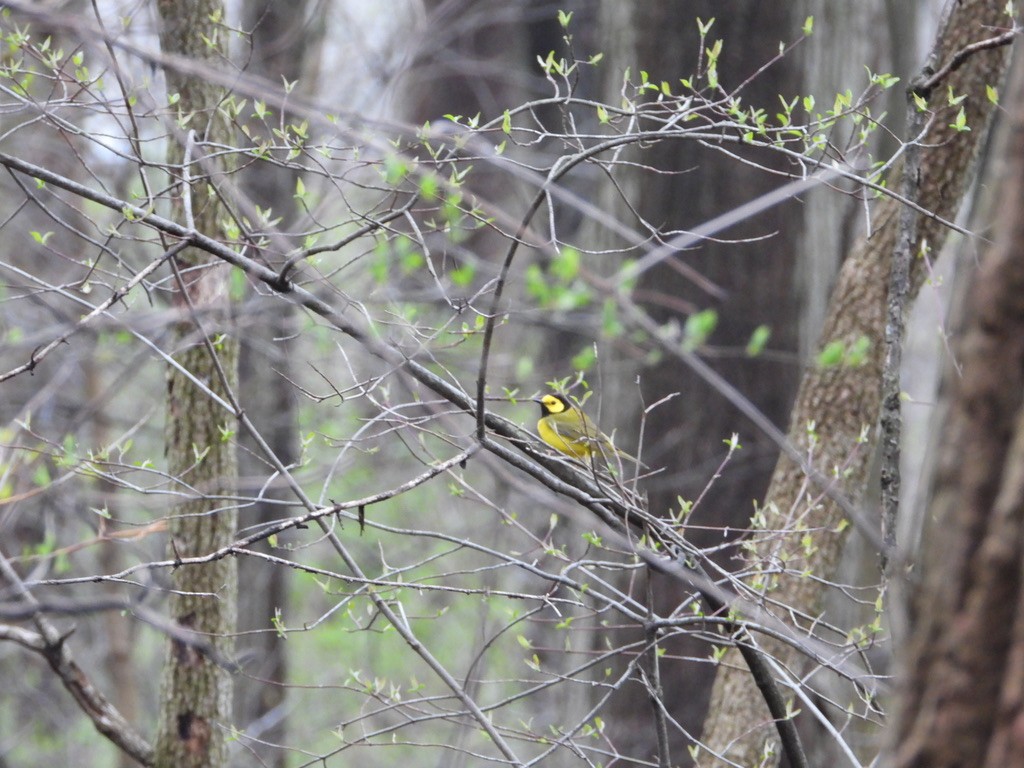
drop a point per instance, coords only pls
(280, 283)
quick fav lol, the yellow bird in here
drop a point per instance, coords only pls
(569, 430)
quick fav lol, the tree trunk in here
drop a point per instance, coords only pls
(844, 401)
(285, 44)
(962, 703)
(195, 701)
(694, 184)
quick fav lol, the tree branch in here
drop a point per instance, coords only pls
(52, 646)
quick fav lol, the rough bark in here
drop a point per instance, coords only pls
(195, 701)
(844, 401)
(962, 702)
(846, 39)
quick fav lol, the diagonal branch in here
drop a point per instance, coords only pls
(52, 646)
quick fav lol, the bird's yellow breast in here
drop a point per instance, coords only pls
(564, 441)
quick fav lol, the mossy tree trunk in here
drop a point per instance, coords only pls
(195, 701)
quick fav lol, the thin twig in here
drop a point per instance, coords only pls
(654, 689)
(39, 354)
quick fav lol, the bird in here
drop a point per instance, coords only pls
(567, 429)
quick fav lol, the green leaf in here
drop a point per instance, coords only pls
(699, 326)
(41, 477)
(843, 101)
(411, 261)
(568, 299)
(69, 456)
(758, 340)
(611, 326)
(808, 26)
(506, 122)
(566, 265)
(837, 353)
(857, 354)
(885, 80)
(960, 123)
(428, 187)
(462, 276)
(831, 355)
(237, 284)
(537, 284)
(395, 169)
(585, 358)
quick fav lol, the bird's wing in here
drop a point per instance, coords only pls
(563, 431)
